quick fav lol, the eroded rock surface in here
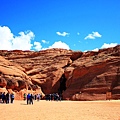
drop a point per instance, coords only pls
(77, 75)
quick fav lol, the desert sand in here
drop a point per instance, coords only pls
(64, 110)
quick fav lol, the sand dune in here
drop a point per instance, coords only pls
(64, 110)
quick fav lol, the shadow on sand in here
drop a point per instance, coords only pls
(23, 104)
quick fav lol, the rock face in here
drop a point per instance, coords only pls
(74, 74)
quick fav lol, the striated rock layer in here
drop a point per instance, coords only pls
(74, 74)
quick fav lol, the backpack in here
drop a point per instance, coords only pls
(12, 95)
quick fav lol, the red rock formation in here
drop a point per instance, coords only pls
(88, 75)
(13, 77)
(93, 75)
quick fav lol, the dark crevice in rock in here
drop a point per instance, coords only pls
(62, 84)
(33, 73)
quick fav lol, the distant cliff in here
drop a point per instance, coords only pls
(74, 74)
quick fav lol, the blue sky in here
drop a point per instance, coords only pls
(79, 25)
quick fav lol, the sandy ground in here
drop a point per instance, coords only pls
(64, 110)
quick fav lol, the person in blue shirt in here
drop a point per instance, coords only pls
(28, 98)
(12, 97)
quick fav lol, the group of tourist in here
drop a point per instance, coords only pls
(30, 97)
(53, 96)
(6, 97)
(48, 97)
(9, 97)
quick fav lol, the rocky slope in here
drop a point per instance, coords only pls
(76, 75)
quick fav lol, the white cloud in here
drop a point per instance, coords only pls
(63, 34)
(44, 41)
(96, 49)
(8, 41)
(23, 42)
(105, 45)
(96, 34)
(60, 44)
(93, 35)
(78, 33)
(37, 46)
(5, 38)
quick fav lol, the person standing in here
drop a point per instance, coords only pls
(3, 97)
(12, 97)
(28, 98)
(35, 96)
(7, 98)
(38, 97)
(0, 97)
(24, 96)
(31, 99)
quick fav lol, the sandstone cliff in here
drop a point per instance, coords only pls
(76, 75)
